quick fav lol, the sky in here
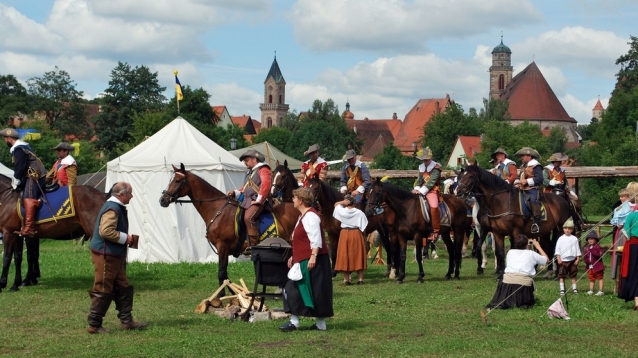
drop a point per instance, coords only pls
(381, 56)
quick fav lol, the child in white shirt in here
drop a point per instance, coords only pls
(567, 254)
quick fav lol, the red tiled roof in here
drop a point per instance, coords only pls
(531, 98)
(411, 130)
(218, 110)
(471, 145)
(241, 121)
(373, 132)
(598, 106)
(256, 125)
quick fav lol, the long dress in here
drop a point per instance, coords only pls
(351, 251)
(510, 292)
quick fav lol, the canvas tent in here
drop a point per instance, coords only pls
(176, 233)
(6, 171)
(272, 155)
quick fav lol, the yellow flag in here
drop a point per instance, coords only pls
(178, 87)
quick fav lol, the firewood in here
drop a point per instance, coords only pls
(235, 302)
(243, 284)
(202, 307)
(216, 302)
(228, 297)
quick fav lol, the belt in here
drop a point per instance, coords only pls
(349, 228)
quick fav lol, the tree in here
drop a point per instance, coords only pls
(391, 158)
(277, 136)
(196, 109)
(442, 130)
(146, 124)
(232, 131)
(495, 109)
(500, 134)
(14, 99)
(130, 91)
(56, 97)
(556, 140)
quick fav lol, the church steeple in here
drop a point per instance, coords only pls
(274, 108)
(501, 69)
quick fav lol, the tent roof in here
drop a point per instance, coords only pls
(4, 170)
(168, 146)
(272, 154)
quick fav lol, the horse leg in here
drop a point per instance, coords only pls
(385, 240)
(500, 254)
(333, 254)
(449, 246)
(222, 271)
(548, 244)
(33, 256)
(6, 263)
(17, 257)
(402, 257)
(418, 240)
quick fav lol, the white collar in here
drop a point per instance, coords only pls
(115, 200)
(17, 143)
(532, 163)
(68, 160)
(318, 161)
(429, 167)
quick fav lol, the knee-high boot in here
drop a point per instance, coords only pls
(30, 208)
(536, 213)
(124, 305)
(100, 303)
(435, 214)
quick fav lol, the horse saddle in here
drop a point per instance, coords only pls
(60, 206)
(446, 218)
(267, 225)
(525, 206)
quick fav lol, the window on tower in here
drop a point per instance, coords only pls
(279, 99)
(269, 124)
(501, 82)
(269, 98)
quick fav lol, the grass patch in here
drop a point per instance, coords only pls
(380, 318)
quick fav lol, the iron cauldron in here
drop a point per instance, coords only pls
(270, 258)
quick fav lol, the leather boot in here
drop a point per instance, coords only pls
(435, 214)
(253, 236)
(100, 303)
(536, 213)
(123, 298)
(30, 208)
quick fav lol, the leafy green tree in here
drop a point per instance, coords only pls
(55, 95)
(501, 134)
(442, 130)
(495, 109)
(556, 140)
(130, 91)
(196, 109)
(14, 98)
(391, 158)
(232, 131)
(146, 124)
(277, 136)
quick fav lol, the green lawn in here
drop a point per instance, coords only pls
(380, 318)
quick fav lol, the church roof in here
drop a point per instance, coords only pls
(412, 129)
(531, 98)
(501, 48)
(275, 72)
(598, 106)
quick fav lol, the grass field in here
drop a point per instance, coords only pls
(435, 319)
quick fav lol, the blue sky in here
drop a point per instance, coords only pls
(380, 55)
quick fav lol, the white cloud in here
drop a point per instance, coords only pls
(21, 34)
(238, 100)
(392, 25)
(581, 111)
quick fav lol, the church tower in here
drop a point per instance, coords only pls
(598, 111)
(274, 108)
(501, 70)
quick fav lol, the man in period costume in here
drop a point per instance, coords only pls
(504, 167)
(428, 184)
(355, 177)
(254, 194)
(554, 175)
(65, 170)
(109, 247)
(28, 176)
(315, 167)
(530, 180)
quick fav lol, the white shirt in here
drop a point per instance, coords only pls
(350, 217)
(312, 224)
(523, 261)
(568, 248)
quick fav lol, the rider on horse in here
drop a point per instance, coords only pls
(315, 167)
(65, 171)
(355, 177)
(428, 184)
(530, 180)
(253, 196)
(554, 175)
(504, 167)
(28, 176)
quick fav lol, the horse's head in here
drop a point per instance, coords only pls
(375, 197)
(177, 188)
(466, 180)
(283, 181)
(316, 187)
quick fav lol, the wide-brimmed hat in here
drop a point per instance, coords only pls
(427, 154)
(593, 235)
(253, 154)
(569, 223)
(350, 153)
(313, 148)
(10, 132)
(558, 157)
(65, 146)
(499, 150)
(528, 151)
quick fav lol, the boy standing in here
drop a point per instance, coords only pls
(567, 255)
(593, 259)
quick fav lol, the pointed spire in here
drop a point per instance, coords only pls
(275, 72)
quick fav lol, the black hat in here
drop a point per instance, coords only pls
(65, 146)
(10, 132)
(593, 235)
(253, 154)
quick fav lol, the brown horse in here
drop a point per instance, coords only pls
(87, 202)
(218, 212)
(500, 202)
(410, 224)
(325, 198)
(283, 183)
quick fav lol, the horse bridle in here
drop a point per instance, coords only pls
(278, 190)
(467, 189)
(174, 196)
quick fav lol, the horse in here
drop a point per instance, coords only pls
(410, 224)
(283, 183)
(218, 212)
(87, 202)
(325, 198)
(501, 203)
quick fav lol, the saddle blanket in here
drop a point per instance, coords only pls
(527, 211)
(60, 206)
(446, 217)
(267, 225)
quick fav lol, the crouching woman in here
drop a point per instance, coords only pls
(311, 296)
(516, 289)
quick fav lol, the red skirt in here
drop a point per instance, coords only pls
(351, 251)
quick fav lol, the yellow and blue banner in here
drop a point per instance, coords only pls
(178, 88)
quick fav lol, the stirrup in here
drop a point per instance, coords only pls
(534, 229)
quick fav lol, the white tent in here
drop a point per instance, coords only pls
(6, 171)
(272, 155)
(177, 233)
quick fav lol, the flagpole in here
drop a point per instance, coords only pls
(177, 94)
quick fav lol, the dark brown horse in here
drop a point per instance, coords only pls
(87, 202)
(218, 212)
(500, 202)
(325, 198)
(410, 224)
(283, 183)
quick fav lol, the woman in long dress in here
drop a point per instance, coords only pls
(351, 252)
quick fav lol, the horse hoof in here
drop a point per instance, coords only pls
(479, 272)
(420, 280)
(457, 278)
(14, 289)
(448, 277)
(399, 282)
(386, 274)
